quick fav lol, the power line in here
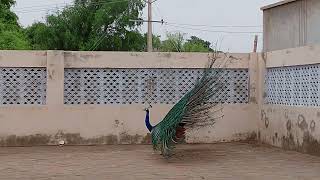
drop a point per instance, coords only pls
(206, 30)
(158, 11)
(97, 43)
(40, 6)
(39, 10)
(179, 25)
(203, 25)
(151, 1)
(216, 26)
(64, 5)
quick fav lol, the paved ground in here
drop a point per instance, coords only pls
(217, 161)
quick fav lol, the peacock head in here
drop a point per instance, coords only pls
(147, 109)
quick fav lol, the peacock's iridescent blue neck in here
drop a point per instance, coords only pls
(147, 121)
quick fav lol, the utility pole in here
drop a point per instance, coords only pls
(150, 22)
(255, 44)
(150, 48)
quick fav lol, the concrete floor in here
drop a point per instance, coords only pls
(217, 161)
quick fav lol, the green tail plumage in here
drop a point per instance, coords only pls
(196, 109)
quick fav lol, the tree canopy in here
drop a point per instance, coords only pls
(176, 42)
(11, 34)
(195, 44)
(90, 25)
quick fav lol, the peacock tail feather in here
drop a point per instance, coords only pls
(194, 110)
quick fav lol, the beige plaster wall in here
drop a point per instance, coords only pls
(294, 128)
(23, 58)
(292, 57)
(149, 60)
(289, 127)
(113, 124)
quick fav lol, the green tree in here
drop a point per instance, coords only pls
(7, 3)
(173, 43)
(37, 35)
(13, 40)
(195, 44)
(91, 25)
(11, 34)
(156, 42)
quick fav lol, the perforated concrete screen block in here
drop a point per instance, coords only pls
(140, 86)
(23, 86)
(293, 85)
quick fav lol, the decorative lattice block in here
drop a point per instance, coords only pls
(23, 86)
(294, 85)
(140, 86)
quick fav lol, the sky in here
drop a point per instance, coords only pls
(192, 17)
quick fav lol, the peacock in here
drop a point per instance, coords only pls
(199, 107)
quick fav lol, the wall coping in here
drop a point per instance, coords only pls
(98, 59)
(293, 57)
(277, 4)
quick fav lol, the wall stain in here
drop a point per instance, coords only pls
(286, 114)
(134, 54)
(104, 140)
(264, 95)
(288, 142)
(166, 55)
(289, 125)
(253, 100)
(266, 122)
(77, 139)
(86, 57)
(302, 123)
(310, 145)
(116, 122)
(292, 141)
(263, 115)
(125, 138)
(72, 139)
(251, 138)
(273, 140)
(313, 126)
(31, 140)
(51, 74)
